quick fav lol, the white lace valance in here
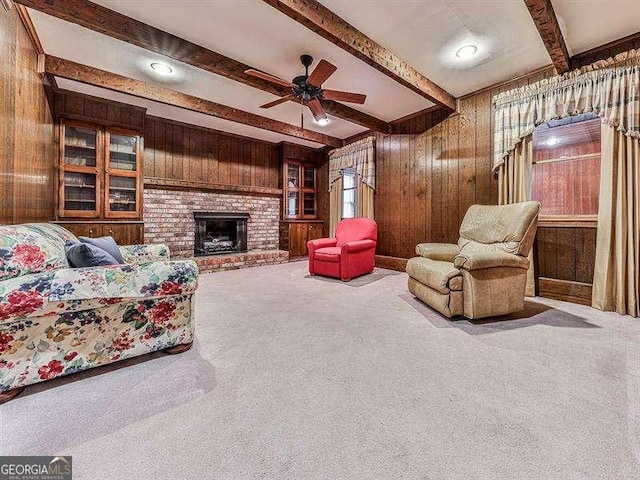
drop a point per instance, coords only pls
(359, 156)
(610, 89)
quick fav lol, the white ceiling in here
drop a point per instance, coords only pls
(587, 24)
(426, 33)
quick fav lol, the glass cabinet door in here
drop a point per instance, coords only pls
(122, 194)
(79, 189)
(309, 204)
(309, 193)
(293, 176)
(292, 204)
(123, 152)
(122, 175)
(80, 192)
(309, 178)
(80, 146)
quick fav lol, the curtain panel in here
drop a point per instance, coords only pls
(515, 176)
(359, 156)
(610, 89)
(616, 281)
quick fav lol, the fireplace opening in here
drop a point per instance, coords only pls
(218, 233)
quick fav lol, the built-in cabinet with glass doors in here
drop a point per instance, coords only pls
(299, 223)
(100, 179)
(300, 190)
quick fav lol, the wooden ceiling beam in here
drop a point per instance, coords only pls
(546, 22)
(324, 22)
(116, 25)
(118, 83)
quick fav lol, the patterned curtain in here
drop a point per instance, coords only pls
(358, 155)
(610, 89)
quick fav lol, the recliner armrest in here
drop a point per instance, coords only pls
(444, 252)
(322, 243)
(480, 260)
(358, 245)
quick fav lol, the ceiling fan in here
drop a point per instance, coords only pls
(308, 89)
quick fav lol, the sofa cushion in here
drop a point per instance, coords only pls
(328, 254)
(86, 255)
(32, 248)
(149, 253)
(441, 276)
(73, 290)
(108, 244)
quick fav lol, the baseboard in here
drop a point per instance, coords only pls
(391, 263)
(574, 292)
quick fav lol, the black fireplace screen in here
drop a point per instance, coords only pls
(218, 233)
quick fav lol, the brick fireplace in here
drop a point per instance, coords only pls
(169, 218)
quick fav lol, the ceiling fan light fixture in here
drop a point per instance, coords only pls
(323, 122)
(161, 68)
(467, 51)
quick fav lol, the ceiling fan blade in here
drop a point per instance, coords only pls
(278, 101)
(320, 74)
(344, 96)
(316, 109)
(269, 78)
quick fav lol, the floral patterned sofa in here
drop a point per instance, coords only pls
(56, 320)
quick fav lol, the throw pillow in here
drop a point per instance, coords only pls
(108, 244)
(87, 255)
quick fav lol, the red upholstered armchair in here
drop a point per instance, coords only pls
(349, 255)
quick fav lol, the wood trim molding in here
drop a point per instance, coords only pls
(568, 291)
(547, 24)
(559, 221)
(31, 30)
(116, 25)
(171, 184)
(6, 5)
(568, 158)
(391, 263)
(324, 22)
(118, 83)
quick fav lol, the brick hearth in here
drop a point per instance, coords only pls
(168, 218)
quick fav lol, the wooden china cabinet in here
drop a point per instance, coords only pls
(299, 207)
(100, 181)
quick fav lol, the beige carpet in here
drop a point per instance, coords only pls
(294, 377)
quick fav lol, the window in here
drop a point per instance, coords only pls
(349, 191)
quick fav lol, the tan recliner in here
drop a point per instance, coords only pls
(485, 274)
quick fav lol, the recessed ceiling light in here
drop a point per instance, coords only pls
(161, 68)
(323, 122)
(552, 141)
(466, 51)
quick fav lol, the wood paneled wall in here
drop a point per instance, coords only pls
(181, 152)
(566, 168)
(27, 148)
(429, 176)
(566, 253)
(106, 112)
